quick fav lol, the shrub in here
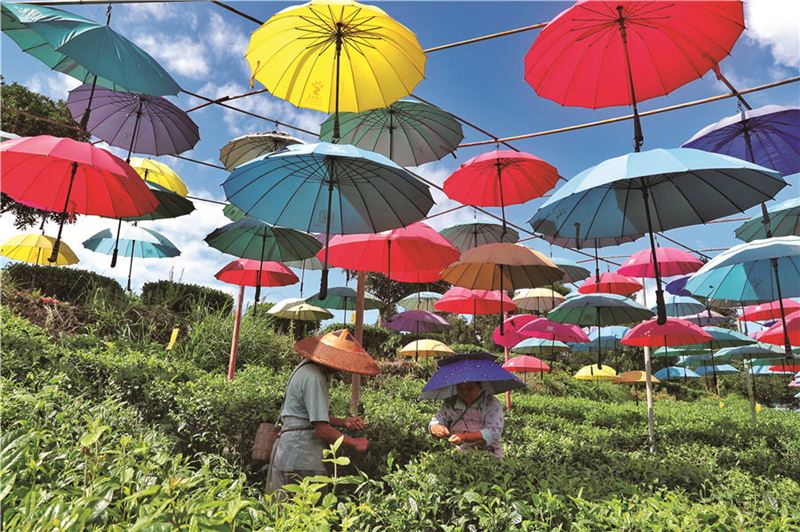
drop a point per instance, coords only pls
(375, 339)
(182, 298)
(467, 348)
(67, 284)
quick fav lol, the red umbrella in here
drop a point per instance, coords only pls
(785, 368)
(409, 249)
(427, 276)
(774, 334)
(674, 332)
(610, 283)
(459, 300)
(671, 262)
(499, 178)
(769, 311)
(526, 364)
(552, 330)
(248, 272)
(64, 175)
(511, 326)
(606, 53)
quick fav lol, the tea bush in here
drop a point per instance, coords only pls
(183, 298)
(67, 284)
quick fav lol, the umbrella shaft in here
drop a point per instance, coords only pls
(130, 267)
(336, 132)
(638, 136)
(85, 118)
(660, 306)
(135, 130)
(54, 255)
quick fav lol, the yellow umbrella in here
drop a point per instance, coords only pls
(595, 373)
(160, 174)
(538, 299)
(502, 267)
(633, 377)
(36, 248)
(425, 348)
(336, 55)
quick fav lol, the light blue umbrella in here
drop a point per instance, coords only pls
(693, 360)
(540, 346)
(328, 188)
(678, 306)
(724, 369)
(641, 193)
(609, 340)
(674, 373)
(573, 272)
(746, 351)
(784, 220)
(134, 242)
(764, 370)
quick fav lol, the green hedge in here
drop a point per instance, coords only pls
(183, 298)
(66, 284)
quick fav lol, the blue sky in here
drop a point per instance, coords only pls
(203, 47)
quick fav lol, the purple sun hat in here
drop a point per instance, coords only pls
(469, 367)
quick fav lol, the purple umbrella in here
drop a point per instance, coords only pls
(705, 318)
(135, 122)
(473, 367)
(418, 321)
(768, 136)
(676, 287)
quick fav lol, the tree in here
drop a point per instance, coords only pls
(27, 113)
(389, 292)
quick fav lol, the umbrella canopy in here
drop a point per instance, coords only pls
(552, 330)
(674, 332)
(540, 346)
(70, 44)
(135, 122)
(410, 133)
(509, 335)
(502, 267)
(633, 377)
(706, 318)
(420, 301)
(766, 136)
(675, 373)
(343, 298)
(783, 367)
(596, 373)
(467, 236)
(5, 135)
(775, 334)
(693, 360)
(418, 321)
(769, 311)
(408, 249)
(526, 364)
(784, 220)
(248, 147)
(573, 271)
(299, 52)
(35, 248)
(746, 351)
(677, 287)
(135, 242)
(473, 367)
(722, 369)
(425, 348)
(160, 174)
(170, 205)
(764, 370)
(253, 239)
(459, 300)
(679, 306)
(297, 309)
(537, 299)
(248, 272)
(681, 351)
(600, 310)
(671, 262)
(233, 213)
(610, 283)
(606, 339)
(418, 276)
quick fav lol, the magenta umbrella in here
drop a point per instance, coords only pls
(418, 321)
(671, 262)
(552, 330)
(509, 337)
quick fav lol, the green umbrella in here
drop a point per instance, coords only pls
(343, 298)
(233, 213)
(409, 133)
(784, 220)
(420, 301)
(573, 271)
(467, 236)
(248, 147)
(540, 346)
(170, 204)
(664, 352)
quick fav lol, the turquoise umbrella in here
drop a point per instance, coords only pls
(420, 301)
(331, 189)
(608, 340)
(784, 220)
(135, 242)
(673, 373)
(90, 52)
(646, 192)
(573, 272)
(343, 298)
(471, 235)
(540, 346)
(408, 132)
(679, 306)
(693, 360)
(664, 352)
(726, 354)
(723, 369)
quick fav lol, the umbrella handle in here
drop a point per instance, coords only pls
(57, 244)
(116, 245)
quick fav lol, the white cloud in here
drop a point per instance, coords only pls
(775, 24)
(180, 54)
(225, 39)
(53, 84)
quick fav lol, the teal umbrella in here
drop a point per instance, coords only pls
(693, 360)
(599, 310)
(573, 272)
(679, 306)
(90, 52)
(608, 340)
(726, 354)
(135, 242)
(420, 301)
(471, 235)
(540, 346)
(672, 373)
(664, 352)
(170, 204)
(408, 132)
(343, 298)
(723, 369)
(784, 220)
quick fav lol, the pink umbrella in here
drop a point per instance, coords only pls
(706, 318)
(552, 330)
(769, 311)
(526, 364)
(671, 262)
(774, 335)
(674, 332)
(610, 283)
(510, 335)
(459, 300)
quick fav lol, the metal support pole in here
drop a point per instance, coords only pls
(237, 322)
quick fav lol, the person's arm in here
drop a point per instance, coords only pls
(440, 421)
(492, 430)
(351, 423)
(324, 431)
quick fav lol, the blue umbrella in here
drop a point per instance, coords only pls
(723, 369)
(783, 220)
(642, 193)
(473, 367)
(328, 188)
(672, 373)
(681, 306)
(135, 242)
(769, 136)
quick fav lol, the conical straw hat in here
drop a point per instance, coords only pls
(337, 350)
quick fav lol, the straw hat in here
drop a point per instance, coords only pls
(337, 350)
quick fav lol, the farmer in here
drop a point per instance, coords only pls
(471, 418)
(307, 427)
